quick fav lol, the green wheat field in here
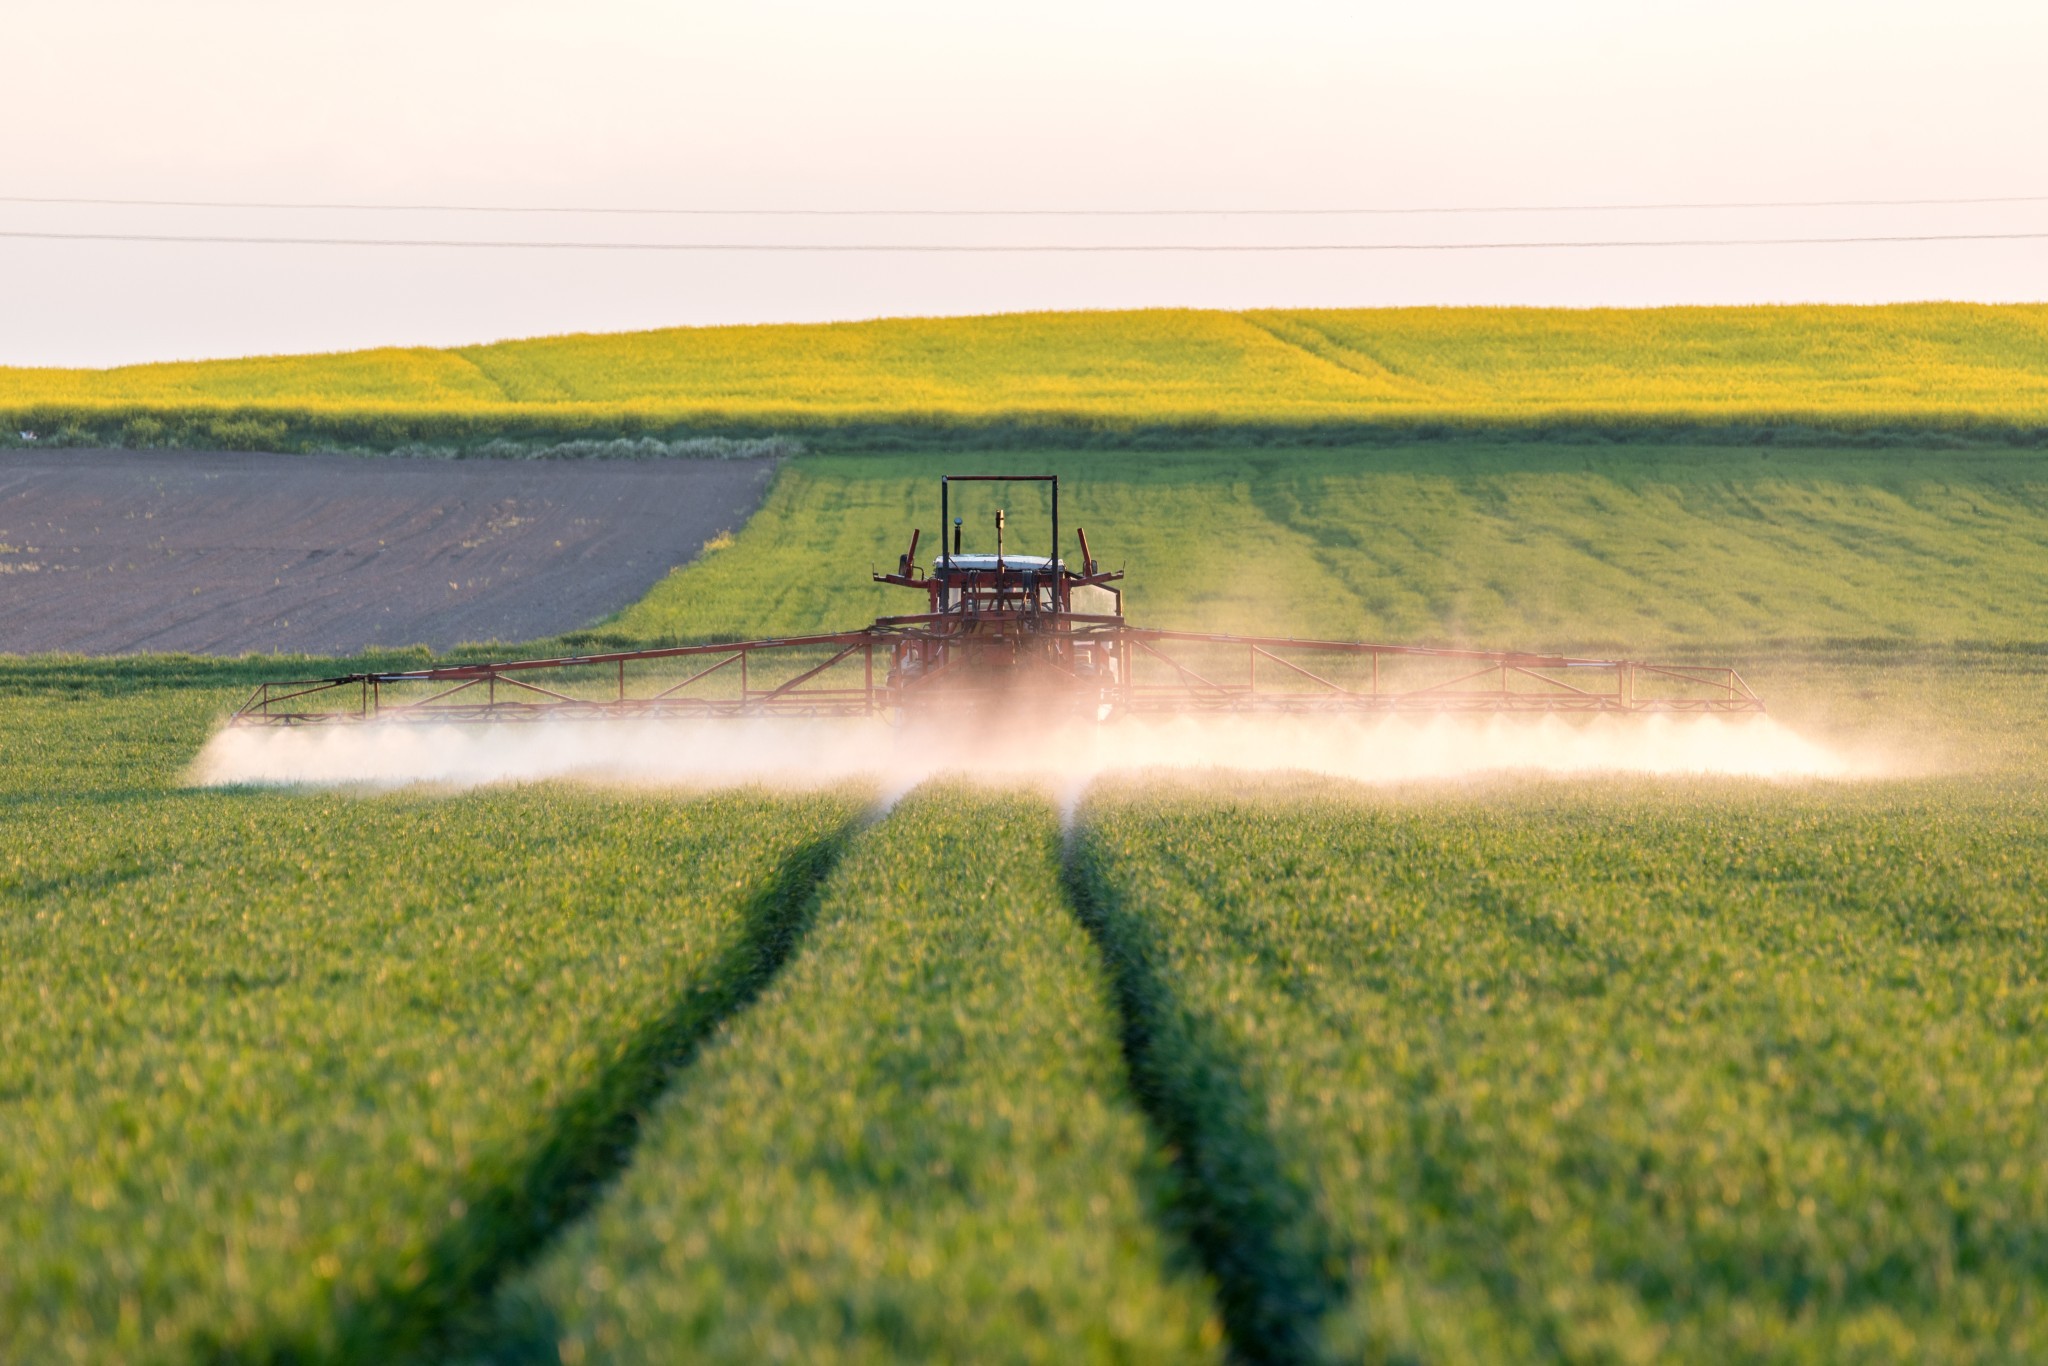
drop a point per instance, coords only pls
(1210, 1067)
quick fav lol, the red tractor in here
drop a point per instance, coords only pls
(1018, 631)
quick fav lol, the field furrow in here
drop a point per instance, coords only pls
(1638, 1074)
(919, 1145)
(291, 1076)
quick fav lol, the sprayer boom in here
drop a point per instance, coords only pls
(1005, 636)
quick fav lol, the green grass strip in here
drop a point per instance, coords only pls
(1630, 1074)
(917, 1146)
(1681, 548)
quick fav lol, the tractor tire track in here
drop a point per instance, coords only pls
(919, 1145)
(1255, 1231)
(437, 1309)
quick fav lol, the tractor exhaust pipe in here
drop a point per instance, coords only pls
(1000, 513)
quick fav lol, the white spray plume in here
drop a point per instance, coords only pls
(800, 753)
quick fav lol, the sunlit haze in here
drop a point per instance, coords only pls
(1050, 105)
(809, 754)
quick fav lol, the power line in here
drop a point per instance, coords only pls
(957, 248)
(1027, 213)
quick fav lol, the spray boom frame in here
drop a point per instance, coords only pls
(1001, 637)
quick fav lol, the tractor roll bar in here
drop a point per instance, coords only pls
(946, 481)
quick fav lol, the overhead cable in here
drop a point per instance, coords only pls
(716, 212)
(1017, 248)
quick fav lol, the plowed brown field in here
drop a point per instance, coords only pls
(112, 552)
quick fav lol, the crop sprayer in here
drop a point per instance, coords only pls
(1003, 637)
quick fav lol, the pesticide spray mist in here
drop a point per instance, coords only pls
(814, 753)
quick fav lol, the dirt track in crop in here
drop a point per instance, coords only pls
(114, 552)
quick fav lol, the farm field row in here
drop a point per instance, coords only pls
(1506, 546)
(1885, 600)
(1606, 1072)
(1537, 1070)
(382, 1048)
(297, 1071)
(918, 1146)
(1848, 368)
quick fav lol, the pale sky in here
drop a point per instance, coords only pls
(1052, 104)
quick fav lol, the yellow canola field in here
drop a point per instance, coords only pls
(1916, 364)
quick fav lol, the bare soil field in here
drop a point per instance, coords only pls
(115, 552)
